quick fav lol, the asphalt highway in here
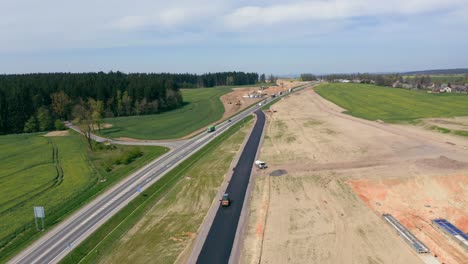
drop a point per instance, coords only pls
(218, 244)
(59, 241)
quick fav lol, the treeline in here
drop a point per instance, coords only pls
(416, 81)
(307, 77)
(36, 102)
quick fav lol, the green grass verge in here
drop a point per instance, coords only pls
(202, 107)
(441, 129)
(272, 102)
(98, 245)
(392, 105)
(462, 133)
(59, 173)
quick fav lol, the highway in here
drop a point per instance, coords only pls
(218, 244)
(59, 241)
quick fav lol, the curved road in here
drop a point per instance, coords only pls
(218, 244)
(59, 241)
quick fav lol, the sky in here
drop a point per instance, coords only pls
(279, 37)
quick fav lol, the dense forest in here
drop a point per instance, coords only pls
(32, 102)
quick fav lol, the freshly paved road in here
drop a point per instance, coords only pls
(218, 244)
(59, 241)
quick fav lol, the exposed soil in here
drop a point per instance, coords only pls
(61, 133)
(454, 123)
(343, 173)
(237, 100)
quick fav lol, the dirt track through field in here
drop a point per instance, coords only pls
(343, 173)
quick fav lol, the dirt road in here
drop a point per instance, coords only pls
(338, 174)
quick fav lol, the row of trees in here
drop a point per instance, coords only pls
(32, 102)
(307, 77)
(271, 79)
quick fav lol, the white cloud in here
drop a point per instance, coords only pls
(247, 16)
(47, 25)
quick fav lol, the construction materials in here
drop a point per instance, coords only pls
(452, 231)
(406, 234)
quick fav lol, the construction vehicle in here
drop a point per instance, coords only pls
(211, 129)
(225, 201)
(261, 164)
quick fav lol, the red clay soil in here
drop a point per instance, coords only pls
(416, 201)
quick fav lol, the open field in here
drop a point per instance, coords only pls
(338, 173)
(160, 224)
(203, 106)
(439, 79)
(393, 105)
(59, 173)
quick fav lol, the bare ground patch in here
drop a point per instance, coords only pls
(315, 215)
(62, 133)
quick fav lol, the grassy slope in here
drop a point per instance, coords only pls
(392, 105)
(29, 176)
(167, 214)
(203, 107)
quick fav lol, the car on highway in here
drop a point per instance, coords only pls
(225, 201)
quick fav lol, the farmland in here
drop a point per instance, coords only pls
(439, 79)
(59, 173)
(159, 225)
(392, 105)
(202, 107)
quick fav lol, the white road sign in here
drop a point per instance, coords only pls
(39, 212)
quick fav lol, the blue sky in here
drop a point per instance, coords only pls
(280, 37)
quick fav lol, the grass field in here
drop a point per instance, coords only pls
(202, 107)
(392, 105)
(439, 79)
(159, 223)
(59, 173)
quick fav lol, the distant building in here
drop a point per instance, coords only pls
(446, 90)
(396, 84)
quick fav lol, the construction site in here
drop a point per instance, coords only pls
(340, 189)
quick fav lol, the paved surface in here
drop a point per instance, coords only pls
(218, 244)
(172, 144)
(59, 241)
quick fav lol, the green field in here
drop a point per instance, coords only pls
(391, 104)
(439, 79)
(59, 173)
(202, 107)
(158, 224)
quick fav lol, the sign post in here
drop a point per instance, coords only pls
(39, 213)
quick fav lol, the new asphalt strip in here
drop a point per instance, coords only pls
(218, 244)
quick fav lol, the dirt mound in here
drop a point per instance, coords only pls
(278, 173)
(443, 162)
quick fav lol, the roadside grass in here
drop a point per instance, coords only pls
(159, 223)
(59, 173)
(462, 133)
(202, 107)
(440, 129)
(272, 102)
(391, 104)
